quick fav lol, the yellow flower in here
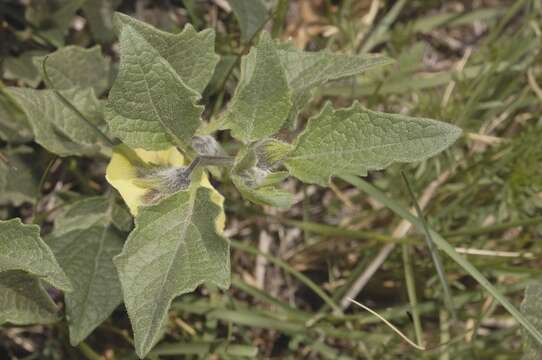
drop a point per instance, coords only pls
(156, 177)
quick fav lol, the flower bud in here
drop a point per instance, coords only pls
(206, 146)
(162, 181)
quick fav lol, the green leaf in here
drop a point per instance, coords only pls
(251, 15)
(53, 18)
(221, 74)
(92, 211)
(149, 105)
(99, 14)
(266, 195)
(257, 184)
(271, 151)
(56, 127)
(83, 214)
(306, 71)
(14, 126)
(531, 307)
(85, 242)
(354, 140)
(261, 103)
(76, 67)
(18, 180)
(86, 255)
(121, 217)
(21, 248)
(176, 245)
(190, 53)
(23, 300)
(23, 68)
(449, 249)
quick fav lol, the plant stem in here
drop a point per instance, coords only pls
(40, 188)
(206, 348)
(89, 353)
(494, 228)
(280, 15)
(205, 160)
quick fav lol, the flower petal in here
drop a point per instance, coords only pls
(123, 176)
(121, 173)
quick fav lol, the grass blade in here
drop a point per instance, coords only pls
(411, 289)
(305, 280)
(449, 250)
(434, 252)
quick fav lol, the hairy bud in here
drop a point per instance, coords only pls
(163, 181)
(206, 146)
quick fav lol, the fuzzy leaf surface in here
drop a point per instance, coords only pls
(190, 53)
(306, 71)
(261, 103)
(149, 105)
(14, 126)
(18, 180)
(257, 184)
(77, 67)
(531, 307)
(175, 246)
(85, 241)
(21, 248)
(23, 300)
(251, 15)
(90, 211)
(56, 127)
(355, 140)
(266, 195)
(23, 68)
(86, 255)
